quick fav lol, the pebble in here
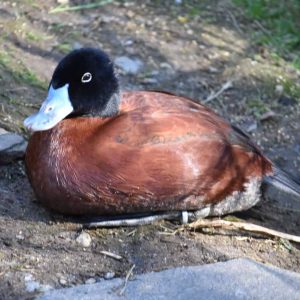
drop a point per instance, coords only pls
(90, 281)
(109, 275)
(268, 115)
(84, 239)
(20, 236)
(128, 43)
(76, 45)
(33, 285)
(165, 65)
(62, 281)
(63, 1)
(251, 126)
(12, 146)
(129, 65)
(213, 70)
(279, 89)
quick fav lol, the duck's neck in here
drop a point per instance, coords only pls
(111, 109)
(112, 106)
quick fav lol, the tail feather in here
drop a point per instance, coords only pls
(281, 183)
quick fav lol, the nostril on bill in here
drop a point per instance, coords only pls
(48, 109)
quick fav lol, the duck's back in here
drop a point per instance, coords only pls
(162, 152)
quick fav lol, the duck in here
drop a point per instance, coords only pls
(98, 151)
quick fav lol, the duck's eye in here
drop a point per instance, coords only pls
(86, 77)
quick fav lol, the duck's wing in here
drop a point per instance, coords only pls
(168, 146)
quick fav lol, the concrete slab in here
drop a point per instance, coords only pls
(235, 279)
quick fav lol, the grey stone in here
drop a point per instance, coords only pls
(76, 46)
(109, 275)
(12, 146)
(90, 281)
(84, 239)
(32, 285)
(63, 281)
(235, 279)
(129, 65)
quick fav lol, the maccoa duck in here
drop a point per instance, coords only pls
(96, 151)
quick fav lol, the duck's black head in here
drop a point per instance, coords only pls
(83, 83)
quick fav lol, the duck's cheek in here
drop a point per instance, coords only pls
(54, 109)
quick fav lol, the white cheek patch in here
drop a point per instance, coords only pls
(54, 109)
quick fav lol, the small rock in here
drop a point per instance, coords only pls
(32, 285)
(129, 65)
(268, 115)
(28, 277)
(109, 275)
(165, 65)
(20, 236)
(213, 70)
(76, 46)
(250, 126)
(130, 14)
(287, 101)
(182, 19)
(62, 1)
(84, 239)
(128, 43)
(279, 89)
(62, 281)
(90, 281)
(12, 146)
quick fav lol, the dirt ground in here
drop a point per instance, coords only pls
(190, 49)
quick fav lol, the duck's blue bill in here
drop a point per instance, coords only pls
(54, 109)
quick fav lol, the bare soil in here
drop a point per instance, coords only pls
(190, 49)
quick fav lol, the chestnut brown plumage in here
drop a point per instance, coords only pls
(149, 151)
(181, 156)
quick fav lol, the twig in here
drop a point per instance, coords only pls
(112, 255)
(262, 28)
(243, 226)
(62, 8)
(126, 280)
(15, 89)
(224, 87)
(131, 232)
(234, 21)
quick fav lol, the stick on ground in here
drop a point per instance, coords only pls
(243, 226)
(212, 96)
(112, 255)
(129, 273)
